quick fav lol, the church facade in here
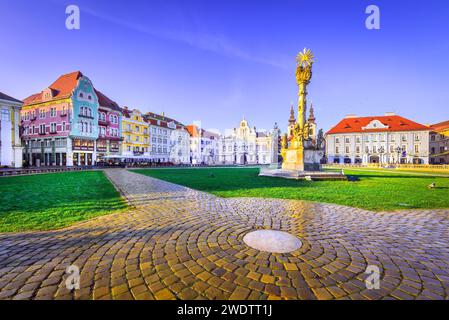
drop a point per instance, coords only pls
(247, 146)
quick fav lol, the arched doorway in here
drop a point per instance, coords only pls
(374, 159)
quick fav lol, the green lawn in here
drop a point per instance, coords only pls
(52, 201)
(374, 191)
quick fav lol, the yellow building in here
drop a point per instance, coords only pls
(136, 134)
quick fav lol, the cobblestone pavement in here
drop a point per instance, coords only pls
(185, 244)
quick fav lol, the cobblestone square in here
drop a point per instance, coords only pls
(178, 243)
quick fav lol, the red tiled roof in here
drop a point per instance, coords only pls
(393, 122)
(61, 88)
(152, 118)
(193, 130)
(440, 126)
(8, 98)
(104, 101)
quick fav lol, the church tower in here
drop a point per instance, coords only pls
(291, 122)
(312, 124)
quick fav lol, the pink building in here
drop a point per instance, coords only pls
(60, 125)
(109, 123)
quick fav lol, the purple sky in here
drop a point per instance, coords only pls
(217, 61)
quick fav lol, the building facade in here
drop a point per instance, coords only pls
(165, 133)
(136, 134)
(204, 146)
(60, 124)
(10, 143)
(245, 145)
(109, 124)
(439, 143)
(180, 146)
(389, 139)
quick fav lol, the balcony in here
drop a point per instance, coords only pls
(64, 114)
(104, 122)
(85, 116)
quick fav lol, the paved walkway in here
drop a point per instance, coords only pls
(181, 243)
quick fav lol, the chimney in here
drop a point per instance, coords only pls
(350, 116)
(389, 114)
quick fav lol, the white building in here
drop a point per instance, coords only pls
(388, 139)
(204, 146)
(180, 146)
(246, 145)
(165, 134)
(10, 143)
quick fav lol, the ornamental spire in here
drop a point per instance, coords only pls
(311, 115)
(292, 119)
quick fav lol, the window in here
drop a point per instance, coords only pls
(5, 115)
(53, 127)
(337, 151)
(337, 140)
(63, 126)
(432, 137)
(417, 137)
(357, 149)
(41, 113)
(391, 149)
(374, 149)
(42, 129)
(347, 140)
(366, 149)
(357, 139)
(404, 137)
(347, 149)
(137, 129)
(416, 148)
(53, 112)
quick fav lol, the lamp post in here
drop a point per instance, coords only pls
(381, 152)
(398, 151)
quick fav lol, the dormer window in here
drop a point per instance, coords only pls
(375, 124)
(81, 95)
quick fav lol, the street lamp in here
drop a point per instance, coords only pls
(381, 152)
(398, 151)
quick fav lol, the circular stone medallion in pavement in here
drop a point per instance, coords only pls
(272, 241)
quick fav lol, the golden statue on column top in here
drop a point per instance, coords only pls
(293, 146)
(302, 150)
